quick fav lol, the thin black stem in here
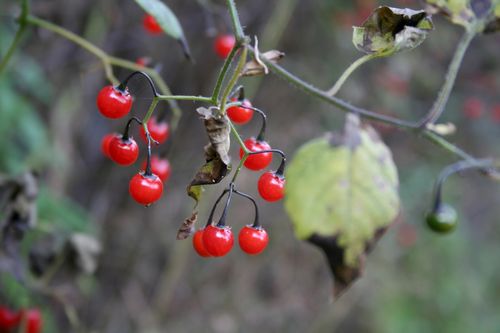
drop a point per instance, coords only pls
(125, 135)
(222, 220)
(148, 171)
(281, 169)
(123, 85)
(262, 132)
(256, 223)
(274, 151)
(212, 212)
(451, 169)
(241, 96)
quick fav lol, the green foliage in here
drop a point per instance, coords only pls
(16, 294)
(62, 213)
(345, 187)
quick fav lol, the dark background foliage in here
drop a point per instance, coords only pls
(147, 281)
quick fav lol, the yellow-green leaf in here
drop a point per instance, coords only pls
(343, 186)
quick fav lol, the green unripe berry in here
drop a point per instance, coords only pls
(443, 219)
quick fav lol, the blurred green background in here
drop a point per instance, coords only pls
(415, 281)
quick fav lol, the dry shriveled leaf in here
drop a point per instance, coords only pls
(187, 227)
(389, 30)
(255, 67)
(217, 162)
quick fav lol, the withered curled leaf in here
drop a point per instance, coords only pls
(389, 30)
(217, 162)
(187, 227)
(256, 67)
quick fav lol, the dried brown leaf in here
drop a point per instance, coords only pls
(255, 67)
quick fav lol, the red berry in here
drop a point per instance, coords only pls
(495, 113)
(473, 108)
(8, 318)
(123, 152)
(145, 189)
(239, 114)
(33, 319)
(253, 240)
(160, 167)
(198, 244)
(143, 61)
(159, 130)
(151, 25)
(114, 103)
(223, 45)
(257, 161)
(218, 241)
(271, 186)
(105, 143)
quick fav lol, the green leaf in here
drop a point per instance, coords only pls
(62, 213)
(167, 20)
(389, 30)
(341, 194)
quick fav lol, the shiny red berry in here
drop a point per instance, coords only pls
(151, 25)
(218, 241)
(198, 244)
(253, 240)
(271, 186)
(33, 319)
(105, 143)
(114, 103)
(145, 189)
(123, 152)
(257, 161)
(240, 115)
(143, 61)
(160, 167)
(159, 130)
(223, 45)
(8, 319)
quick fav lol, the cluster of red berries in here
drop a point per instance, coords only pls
(271, 184)
(217, 240)
(25, 321)
(146, 186)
